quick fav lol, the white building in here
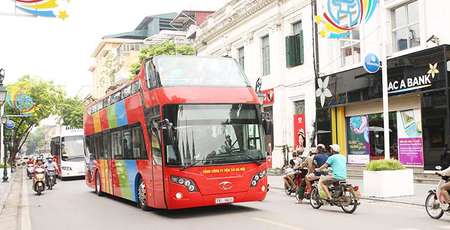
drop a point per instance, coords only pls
(272, 40)
(418, 67)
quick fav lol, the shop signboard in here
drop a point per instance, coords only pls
(415, 81)
(268, 97)
(358, 140)
(371, 63)
(299, 131)
(410, 142)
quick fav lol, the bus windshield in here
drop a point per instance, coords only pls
(213, 134)
(199, 71)
(72, 148)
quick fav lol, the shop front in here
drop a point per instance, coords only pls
(349, 110)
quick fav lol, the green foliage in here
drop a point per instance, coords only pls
(2, 165)
(46, 97)
(71, 112)
(165, 48)
(36, 141)
(382, 165)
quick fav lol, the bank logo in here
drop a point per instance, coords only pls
(44, 8)
(414, 82)
(342, 16)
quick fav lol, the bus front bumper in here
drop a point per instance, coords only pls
(183, 199)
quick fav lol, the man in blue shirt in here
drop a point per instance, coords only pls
(338, 164)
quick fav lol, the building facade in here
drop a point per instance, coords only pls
(349, 98)
(271, 40)
(115, 54)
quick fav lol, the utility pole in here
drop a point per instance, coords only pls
(315, 39)
(384, 77)
(3, 93)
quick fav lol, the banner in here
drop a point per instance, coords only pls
(358, 140)
(410, 142)
(299, 131)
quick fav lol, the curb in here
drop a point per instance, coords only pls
(370, 198)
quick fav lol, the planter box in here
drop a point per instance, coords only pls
(389, 183)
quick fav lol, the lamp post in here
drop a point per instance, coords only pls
(3, 93)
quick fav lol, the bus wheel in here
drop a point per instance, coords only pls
(98, 187)
(142, 196)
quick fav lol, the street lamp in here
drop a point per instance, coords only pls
(3, 93)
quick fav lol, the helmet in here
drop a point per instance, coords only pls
(49, 159)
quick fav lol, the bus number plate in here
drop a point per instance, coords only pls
(224, 200)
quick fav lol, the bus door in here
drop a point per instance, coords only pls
(107, 154)
(157, 165)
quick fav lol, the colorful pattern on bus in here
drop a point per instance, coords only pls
(112, 117)
(124, 175)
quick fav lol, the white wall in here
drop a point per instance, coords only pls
(289, 84)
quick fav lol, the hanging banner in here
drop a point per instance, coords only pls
(44, 8)
(358, 140)
(299, 132)
(410, 142)
(268, 96)
(340, 17)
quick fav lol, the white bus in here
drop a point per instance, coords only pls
(68, 151)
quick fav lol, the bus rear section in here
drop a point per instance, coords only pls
(214, 154)
(68, 149)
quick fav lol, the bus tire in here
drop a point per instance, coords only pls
(98, 185)
(142, 195)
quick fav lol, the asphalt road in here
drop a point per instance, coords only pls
(73, 206)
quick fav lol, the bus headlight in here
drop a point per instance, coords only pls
(258, 177)
(187, 183)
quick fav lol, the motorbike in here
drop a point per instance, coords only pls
(343, 195)
(39, 180)
(435, 204)
(51, 178)
(30, 169)
(298, 179)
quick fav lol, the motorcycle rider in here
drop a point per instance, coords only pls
(50, 165)
(318, 160)
(445, 187)
(338, 164)
(290, 171)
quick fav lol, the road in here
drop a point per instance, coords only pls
(73, 206)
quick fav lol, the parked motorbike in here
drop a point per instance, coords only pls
(30, 169)
(435, 202)
(39, 180)
(51, 178)
(343, 195)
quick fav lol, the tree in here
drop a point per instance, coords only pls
(167, 48)
(36, 141)
(71, 112)
(46, 97)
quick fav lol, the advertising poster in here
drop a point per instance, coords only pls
(410, 143)
(358, 140)
(299, 131)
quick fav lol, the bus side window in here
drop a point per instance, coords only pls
(156, 146)
(150, 75)
(138, 144)
(107, 146)
(116, 146)
(126, 144)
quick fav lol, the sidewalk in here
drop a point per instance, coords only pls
(4, 188)
(13, 203)
(420, 191)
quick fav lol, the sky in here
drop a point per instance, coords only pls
(59, 50)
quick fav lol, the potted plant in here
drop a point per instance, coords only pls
(387, 178)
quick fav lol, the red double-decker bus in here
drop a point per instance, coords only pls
(186, 132)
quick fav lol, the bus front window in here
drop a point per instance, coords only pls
(214, 134)
(72, 148)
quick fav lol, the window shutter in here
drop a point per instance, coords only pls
(288, 52)
(301, 49)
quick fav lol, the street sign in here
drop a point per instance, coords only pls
(371, 63)
(10, 124)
